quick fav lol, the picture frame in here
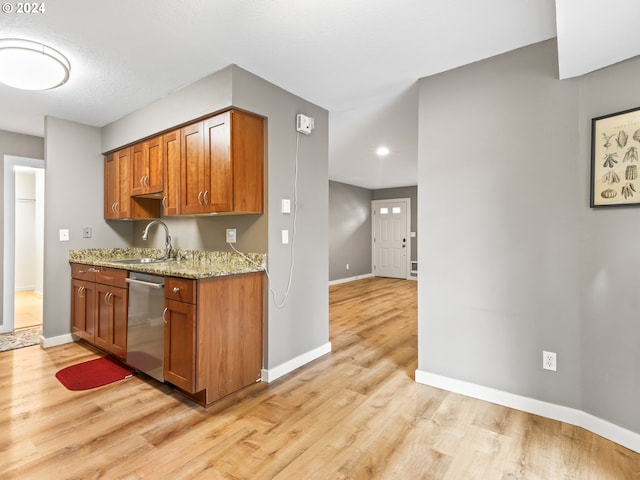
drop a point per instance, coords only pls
(615, 165)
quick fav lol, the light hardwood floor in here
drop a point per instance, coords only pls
(354, 414)
(28, 310)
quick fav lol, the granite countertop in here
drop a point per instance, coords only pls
(186, 263)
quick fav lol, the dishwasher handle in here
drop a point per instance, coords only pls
(146, 284)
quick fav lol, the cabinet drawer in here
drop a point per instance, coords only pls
(180, 289)
(83, 272)
(112, 276)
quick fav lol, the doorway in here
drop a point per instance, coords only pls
(391, 240)
(23, 243)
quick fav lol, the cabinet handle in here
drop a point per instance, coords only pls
(200, 198)
(113, 207)
(146, 181)
(206, 201)
(107, 298)
(81, 292)
(164, 315)
(164, 202)
(82, 271)
(176, 289)
(141, 181)
(116, 207)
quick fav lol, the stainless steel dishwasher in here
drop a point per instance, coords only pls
(145, 328)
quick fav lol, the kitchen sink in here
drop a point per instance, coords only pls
(138, 261)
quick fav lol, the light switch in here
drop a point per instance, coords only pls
(285, 237)
(286, 206)
(64, 234)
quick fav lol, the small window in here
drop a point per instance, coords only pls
(384, 211)
(396, 210)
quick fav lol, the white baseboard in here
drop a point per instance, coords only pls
(350, 279)
(55, 341)
(274, 373)
(579, 418)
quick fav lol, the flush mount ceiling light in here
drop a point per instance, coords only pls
(382, 151)
(31, 65)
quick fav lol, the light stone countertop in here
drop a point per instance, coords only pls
(185, 263)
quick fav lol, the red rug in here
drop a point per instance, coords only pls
(92, 374)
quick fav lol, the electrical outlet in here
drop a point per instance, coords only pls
(549, 361)
(231, 235)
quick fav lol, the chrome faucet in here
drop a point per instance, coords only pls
(167, 239)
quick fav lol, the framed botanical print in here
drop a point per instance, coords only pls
(615, 141)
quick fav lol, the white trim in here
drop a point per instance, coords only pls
(351, 279)
(407, 233)
(289, 366)
(55, 341)
(576, 417)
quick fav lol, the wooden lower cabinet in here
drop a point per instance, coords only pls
(111, 319)
(180, 345)
(99, 302)
(213, 337)
(212, 326)
(83, 309)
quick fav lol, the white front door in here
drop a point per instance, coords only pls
(390, 238)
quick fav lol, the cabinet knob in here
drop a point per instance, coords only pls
(176, 289)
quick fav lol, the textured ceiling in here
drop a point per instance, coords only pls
(358, 59)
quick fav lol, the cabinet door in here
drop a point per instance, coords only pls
(171, 154)
(83, 309)
(147, 167)
(180, 344)
(123, 209)
(155, 169)
(139, 168)
(111, 319)
(218, 195)
(119, 302)
(194, 170)
(111, 187)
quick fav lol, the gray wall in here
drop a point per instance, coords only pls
(609, 300)
(410, 192)
(515, 261)
(302, 323)
(350, 226)
(349, 230)
(73, 199)
(21, 146)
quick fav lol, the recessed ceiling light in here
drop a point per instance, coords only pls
(382, 151)
(31, 65)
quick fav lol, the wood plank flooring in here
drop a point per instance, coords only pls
(354, 414)
(28, 310)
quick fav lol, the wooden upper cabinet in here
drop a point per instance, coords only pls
(194, 170)
(171, 165)
(223, 165)
(147, 167)
(247, 153)
(212, 166)
(111, 187)
(117, 202)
